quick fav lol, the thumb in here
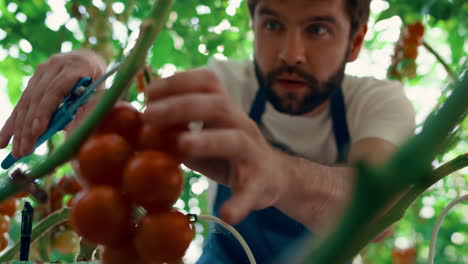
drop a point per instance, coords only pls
(238, 206)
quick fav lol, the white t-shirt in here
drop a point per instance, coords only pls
(374, 108)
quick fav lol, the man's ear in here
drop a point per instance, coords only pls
(356, 43)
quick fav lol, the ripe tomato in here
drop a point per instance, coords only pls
(66, 242)
(416, 29)
(21, 194)
(8, 207)
(102, 159)
(410, 52)
(404, 256)
(153, 180)
(56, 198)
(4, 238)
(412, 40)
(120, 255)
(123, 119)
(101, 216)
(69, 184)
(164, 140)
(5, 223)
(163, 236)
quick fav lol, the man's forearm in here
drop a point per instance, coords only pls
(316, 194)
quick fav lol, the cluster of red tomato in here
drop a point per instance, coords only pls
(7, 210)
(127, 163)
(406, 52)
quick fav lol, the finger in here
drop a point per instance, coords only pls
(242, 202)
(7, 131)
(229, 144)
(36, 118)
(39, 114)
(194, 81)
(213, 109)
(21, 110)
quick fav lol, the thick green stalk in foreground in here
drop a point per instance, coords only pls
(409, 169)
(150, 28)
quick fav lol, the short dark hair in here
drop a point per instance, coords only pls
(358, 11)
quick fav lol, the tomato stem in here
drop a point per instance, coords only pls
(149, 30)
(439, 58)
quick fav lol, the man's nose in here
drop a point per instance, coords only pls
(293, 50)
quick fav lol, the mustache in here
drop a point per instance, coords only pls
(273, 75)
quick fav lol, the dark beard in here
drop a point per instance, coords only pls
(318, 92)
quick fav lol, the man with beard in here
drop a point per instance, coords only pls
(278, 131)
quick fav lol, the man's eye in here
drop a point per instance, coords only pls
(317, 30)
(272, 25)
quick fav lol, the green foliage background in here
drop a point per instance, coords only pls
(199, 30)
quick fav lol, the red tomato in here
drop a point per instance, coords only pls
(163, 236)
(124, 120)
(416, 29)
(124, 254)
(101, 216)
(69, 184)
(410, 52)
(102, 159)
(164, 140)
(66, 242)
(404, 256)
(56, 197)
(8, 207)
(4, 238)
(412, 40)
(153, 180)
(5, 223)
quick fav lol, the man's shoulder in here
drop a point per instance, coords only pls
(356, 89)
(232, 69)
(351, 82)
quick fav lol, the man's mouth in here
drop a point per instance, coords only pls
(291, 84)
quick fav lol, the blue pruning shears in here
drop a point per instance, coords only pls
(66, 112)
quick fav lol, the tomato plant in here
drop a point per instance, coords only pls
(102, 159)
(153, 180)
(100, 215)
(124, 120)
(66, 241)
(4, 238)
(5, 223)
(163, 236)
(8, 207)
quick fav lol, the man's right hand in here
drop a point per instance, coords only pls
(52, 81)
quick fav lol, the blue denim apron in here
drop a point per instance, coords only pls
(269, 232)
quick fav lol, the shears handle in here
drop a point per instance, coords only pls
(60, 119)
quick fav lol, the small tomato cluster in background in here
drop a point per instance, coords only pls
(7, 211)
(127, 163)
(406, 52)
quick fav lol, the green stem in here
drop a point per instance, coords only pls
(38, 230)
(398, 210)
(439, 58)
(150, 28)
(413, 160)
(410, 168)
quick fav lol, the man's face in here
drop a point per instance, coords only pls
(301, 48)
